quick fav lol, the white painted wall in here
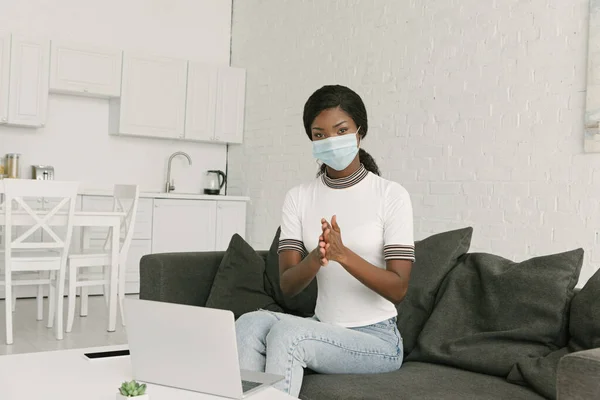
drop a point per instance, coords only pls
(75, 140)
(476, 107)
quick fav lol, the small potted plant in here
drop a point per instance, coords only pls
(132, 389)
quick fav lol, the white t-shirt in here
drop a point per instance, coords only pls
(376, 222)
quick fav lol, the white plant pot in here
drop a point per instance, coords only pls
(142, 397)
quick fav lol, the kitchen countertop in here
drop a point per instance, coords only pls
(87, 191)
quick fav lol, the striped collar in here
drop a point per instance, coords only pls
(346, 182)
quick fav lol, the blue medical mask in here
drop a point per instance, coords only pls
(336, 152)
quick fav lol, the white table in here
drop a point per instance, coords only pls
(108, 219)
(68, 375)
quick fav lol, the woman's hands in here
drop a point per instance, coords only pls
(331, 247)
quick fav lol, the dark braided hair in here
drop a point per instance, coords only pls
(333, 96)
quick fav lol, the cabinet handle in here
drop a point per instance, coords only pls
(2, 119)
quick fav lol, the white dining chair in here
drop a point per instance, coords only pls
(125, 199)
(26, 254)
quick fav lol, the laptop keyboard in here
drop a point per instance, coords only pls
(247, 385)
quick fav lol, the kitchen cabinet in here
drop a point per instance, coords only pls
(215, 104)
(29, 78)
(231, 98)
(4, 76)
(231, 219)
(85, 70)
(201, 102)
(183, 225)
(152, 101)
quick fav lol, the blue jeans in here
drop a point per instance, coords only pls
(284, 344)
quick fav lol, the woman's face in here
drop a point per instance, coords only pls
(332, 122)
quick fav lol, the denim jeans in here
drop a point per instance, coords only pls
(284, 344)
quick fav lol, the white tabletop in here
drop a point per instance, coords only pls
(68, 375)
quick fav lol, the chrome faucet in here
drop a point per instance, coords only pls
(170, 185)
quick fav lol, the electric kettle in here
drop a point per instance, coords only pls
(215, 181)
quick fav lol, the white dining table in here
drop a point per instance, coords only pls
(108, 219)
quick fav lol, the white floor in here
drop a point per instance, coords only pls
(31, 335)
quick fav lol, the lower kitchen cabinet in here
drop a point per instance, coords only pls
(183, 225)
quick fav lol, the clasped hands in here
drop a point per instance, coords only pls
(331, 247)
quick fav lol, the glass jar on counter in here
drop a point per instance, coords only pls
(12, 169)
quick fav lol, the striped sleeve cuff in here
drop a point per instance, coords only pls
(292, 244)
(399, 252)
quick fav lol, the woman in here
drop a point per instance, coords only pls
(353, 231)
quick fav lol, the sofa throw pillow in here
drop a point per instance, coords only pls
(491, 312)
(239, 282)
(435, 257)
(584, 318)
(303, 304)
(584, 327)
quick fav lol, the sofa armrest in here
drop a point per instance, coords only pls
(578, 376)
(182, 278)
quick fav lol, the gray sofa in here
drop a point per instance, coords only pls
(475, 326)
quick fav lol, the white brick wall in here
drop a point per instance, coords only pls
(476, 107)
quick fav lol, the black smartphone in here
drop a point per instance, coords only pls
(107, 354)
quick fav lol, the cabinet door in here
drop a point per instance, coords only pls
(183, 225)
(137, 250)
(153, 96)
(4, 75)
(201, 102)
(85, 70)
(29, 75)
(231, 97)
(231, 219)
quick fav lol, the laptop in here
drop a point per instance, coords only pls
(188, 347)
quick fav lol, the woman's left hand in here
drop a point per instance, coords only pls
(334, 246)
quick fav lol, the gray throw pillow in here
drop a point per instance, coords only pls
(584, 327)
(491, 312)
(303, 304)
(239, 282)
(435, 256)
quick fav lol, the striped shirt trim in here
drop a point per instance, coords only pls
(292, 244)
(399, 252)
(346, 182)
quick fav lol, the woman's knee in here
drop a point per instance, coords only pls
(255, 323)
(288, 332)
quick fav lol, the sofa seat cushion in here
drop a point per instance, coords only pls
(414, 381)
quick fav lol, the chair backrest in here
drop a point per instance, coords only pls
(126, 199)
(23, 222)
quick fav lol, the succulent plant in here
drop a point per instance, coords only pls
(132, 389)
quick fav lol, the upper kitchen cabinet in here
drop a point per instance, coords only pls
(85, 70)
(4, 76)
(201, 102)
(29, 76)
(215, 103)
(231, 98)
(152, 101)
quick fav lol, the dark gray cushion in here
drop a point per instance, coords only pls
(584, 320)
(303, 304)
(238, 285)
(492, 312)
(414, 381)
(435, 257)
(584, 327)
